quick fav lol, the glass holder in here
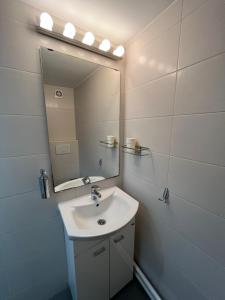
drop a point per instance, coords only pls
(109, 145)
(138, 150)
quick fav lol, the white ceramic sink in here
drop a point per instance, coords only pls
(81, 215)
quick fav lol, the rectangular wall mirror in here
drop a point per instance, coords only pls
(82, 106)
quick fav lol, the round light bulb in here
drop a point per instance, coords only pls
(119, 51)
(88, 38)
(46, 21)
(105, 45)
(69, 30)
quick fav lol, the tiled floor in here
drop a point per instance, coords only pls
(133, 291)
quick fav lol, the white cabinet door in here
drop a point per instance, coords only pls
(121, 258)
(92, 273)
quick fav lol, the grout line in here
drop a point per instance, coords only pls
(146, 180)
(202, 60)
(186, 238)
(185, 158)
(19, 70)
(193, 10)
(175, 115)
(154, 20)
(197, 161)
(24, 156)
(206, 210)
(18, 194)
(174, 102)
(20, 115)
(177, 70)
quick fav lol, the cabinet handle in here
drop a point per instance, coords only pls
(98, 252)
(119, 239)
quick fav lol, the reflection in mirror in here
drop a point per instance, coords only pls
(82, 106)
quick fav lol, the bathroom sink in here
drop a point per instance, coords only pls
(83, 218)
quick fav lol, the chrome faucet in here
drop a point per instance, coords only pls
(86, 180)
(95, 194)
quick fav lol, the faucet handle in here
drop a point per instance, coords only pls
(95, 187)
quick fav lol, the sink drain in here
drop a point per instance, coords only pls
(101, 222)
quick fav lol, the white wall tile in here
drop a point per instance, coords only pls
(154, 60)
(179, 246)
(200, 137)
(23, 245)
(19, 11)
(22, 135)
(190, 5)
(150, 132)
(201, 88)
(166, 19)
(169, 248)
(199, 268)
(60, 131)
(25, 276)
(44, 274)
(202, 33)
(17, 52)
(199, 183)
(152, 168)
(195, 223)
(154, 99)
(4, 285)
(18, 208)
(203, 228)
(20, 99)
(20, 174)
(163, 271)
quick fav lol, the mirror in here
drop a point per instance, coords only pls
(82, 102)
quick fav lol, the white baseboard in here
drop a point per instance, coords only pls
(147, 286)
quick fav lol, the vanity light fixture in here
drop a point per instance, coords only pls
(46, 21)
(119, 51)
(86, 41)
(69, 31)
(89, 38)
(105, 45)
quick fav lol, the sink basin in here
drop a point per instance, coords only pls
(84, 219)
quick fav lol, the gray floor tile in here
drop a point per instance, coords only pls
(133, 291)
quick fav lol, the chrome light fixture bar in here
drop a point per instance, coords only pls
(87, 42)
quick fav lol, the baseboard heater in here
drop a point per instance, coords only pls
(147, 286)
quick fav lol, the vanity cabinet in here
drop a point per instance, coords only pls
(92, 273)
(99, 268)
(121, 258)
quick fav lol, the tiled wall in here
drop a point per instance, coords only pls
(32, 255)
(97, 115)
(175, 104)
(62, 130)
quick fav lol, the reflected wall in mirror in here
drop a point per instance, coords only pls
(82, 106)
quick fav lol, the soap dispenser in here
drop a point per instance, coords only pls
(44, 184)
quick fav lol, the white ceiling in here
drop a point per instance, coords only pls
(117, 20)
(64, 70)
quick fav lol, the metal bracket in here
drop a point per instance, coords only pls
(165, 197)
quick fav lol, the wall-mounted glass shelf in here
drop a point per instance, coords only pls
(138, 150)
(109, 145)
